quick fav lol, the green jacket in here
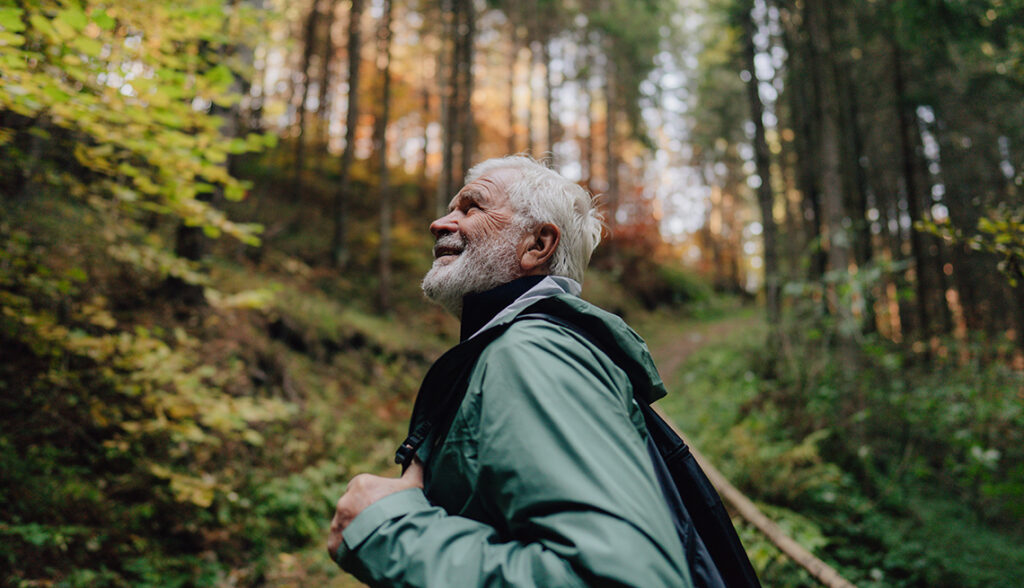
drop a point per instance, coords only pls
(543, 478)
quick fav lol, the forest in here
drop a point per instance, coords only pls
(213, 227)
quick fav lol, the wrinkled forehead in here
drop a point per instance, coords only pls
(489, 189)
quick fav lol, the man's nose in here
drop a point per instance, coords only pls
(446, 224)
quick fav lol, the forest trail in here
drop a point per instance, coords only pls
(672, 345)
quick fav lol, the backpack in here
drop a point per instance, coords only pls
(715, 556)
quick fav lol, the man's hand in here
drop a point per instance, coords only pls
(364, 490)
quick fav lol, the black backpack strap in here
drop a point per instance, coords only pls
(441, 393)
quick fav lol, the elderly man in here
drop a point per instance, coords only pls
(542, 477)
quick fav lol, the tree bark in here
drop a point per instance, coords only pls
(531, 39)
(588, 145)
(323, 105)
(832, 200)
(513, 60)
(855, 183)
(610, 159)
(339, 248)
(802, 99)
(765, 194)
(384, 66)
(549, 110)
(425, 152)
(907, 160)
(309, 41)
(449, 103)
(467, 121)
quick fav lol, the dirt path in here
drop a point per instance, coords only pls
(674, 344)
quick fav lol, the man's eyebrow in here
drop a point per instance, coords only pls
(474, 195)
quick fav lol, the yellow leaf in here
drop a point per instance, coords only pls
(90, 47)
(44, 26)
(11, 39)
(252, 437)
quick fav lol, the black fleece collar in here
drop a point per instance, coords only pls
(479, 308)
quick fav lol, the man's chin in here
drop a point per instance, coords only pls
(452, 304)
(437, 287)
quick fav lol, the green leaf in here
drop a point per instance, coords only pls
(234, 191)
(216, 156)
(219, 77)
(10, 19)
(55, 94)
(226, 100)
(77, 274)
(74, 17)
(128, 169)
(238, 145)
(102, 20)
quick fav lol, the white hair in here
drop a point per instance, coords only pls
(542, 195)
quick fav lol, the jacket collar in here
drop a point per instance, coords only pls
(480, 307)
(499, 305)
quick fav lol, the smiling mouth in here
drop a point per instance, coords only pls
(440, 252)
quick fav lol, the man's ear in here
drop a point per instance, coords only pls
(539, 247)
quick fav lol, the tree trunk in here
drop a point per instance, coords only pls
(1018, 296)
(588, 145)
(421, 173)
(765, 195)
(832, 201)
(339, 248)
(856, 182)
(513, 60)
(467, 123)
(309, 41)
(907, 160)
(384, 65)
(531, 69)
(802, 99)
(549, 110)
(610, 159)
(323, 108)
(449, 104)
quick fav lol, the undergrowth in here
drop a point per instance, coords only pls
(146, 442)
(921, 485)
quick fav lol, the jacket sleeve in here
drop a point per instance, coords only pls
(561, 467)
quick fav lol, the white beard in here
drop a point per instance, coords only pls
(478, 268)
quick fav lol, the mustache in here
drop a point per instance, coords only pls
(451, 242)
